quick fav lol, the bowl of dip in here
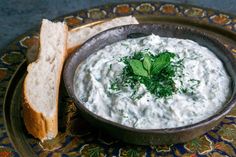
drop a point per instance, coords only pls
(152, 83)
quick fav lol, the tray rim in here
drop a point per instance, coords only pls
(36, 29)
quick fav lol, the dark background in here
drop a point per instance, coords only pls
(18, 16)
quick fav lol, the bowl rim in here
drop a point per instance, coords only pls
(228, 105)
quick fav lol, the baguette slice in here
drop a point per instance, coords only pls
(78, 36)
(41, 84)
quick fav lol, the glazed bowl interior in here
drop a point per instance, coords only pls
(151, 136)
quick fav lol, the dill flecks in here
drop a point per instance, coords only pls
(156, 72)
(193, 84)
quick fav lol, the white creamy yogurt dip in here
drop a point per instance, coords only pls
(94, 76)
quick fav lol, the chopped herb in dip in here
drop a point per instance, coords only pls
(153, 82)
(156, 72)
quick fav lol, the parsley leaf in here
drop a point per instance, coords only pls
(162, 61)
(138, 68)
(147, 63)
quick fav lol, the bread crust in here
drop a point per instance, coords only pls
(36, 123)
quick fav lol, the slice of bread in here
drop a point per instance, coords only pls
(78, 36)
(41, 84)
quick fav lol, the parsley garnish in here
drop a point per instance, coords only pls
(156, 72)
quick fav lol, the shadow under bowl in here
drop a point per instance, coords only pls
(151, 136)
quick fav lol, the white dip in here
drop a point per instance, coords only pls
(94, 76)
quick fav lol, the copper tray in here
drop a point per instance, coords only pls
(77, 137)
